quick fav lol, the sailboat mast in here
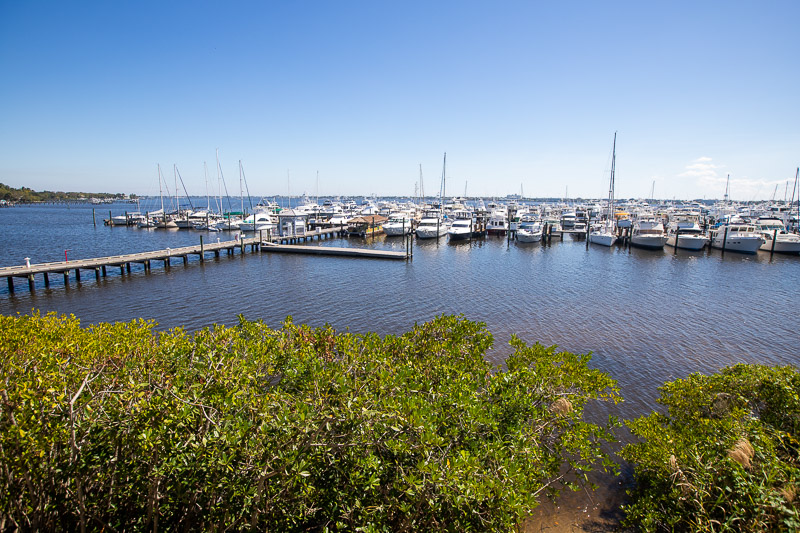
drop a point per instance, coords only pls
(175, 173)
(241, 189)
(421, 184)
(611, 181)
(442, 188)
(160, 191)
(727, 189)
(798, 199)
(208, 198)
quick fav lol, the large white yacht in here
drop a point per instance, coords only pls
(686, 234)
(399, 223)
(461, 228)
(773, 229)
(432, 226)
(648, 233)
(736, 238)
(529, 232)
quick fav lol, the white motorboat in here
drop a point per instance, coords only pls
(260, 221)
(603, 234)
(460, 229)
(736, 238)
(529, 232)
(462, 226)
(398, 224)
(648, 233)
(432, 226)
(183, 220)
(774, 233)
(687, 234)
(498, 222)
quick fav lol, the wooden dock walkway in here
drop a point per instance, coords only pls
(261, 241)
(100, 265)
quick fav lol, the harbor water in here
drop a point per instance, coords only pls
(647, 316)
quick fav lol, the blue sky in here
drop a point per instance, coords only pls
(519, 94)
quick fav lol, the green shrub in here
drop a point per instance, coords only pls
(122, 427)
(724, 457)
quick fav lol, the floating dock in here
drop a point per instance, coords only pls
(333, 251)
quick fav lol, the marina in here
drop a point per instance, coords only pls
(647, 316)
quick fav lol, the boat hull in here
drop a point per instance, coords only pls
(688, 242)
(524, 236)
(429, 232)
(744, 245)
(603, 239)
(396, 230)
(782, 246)
(649, 242)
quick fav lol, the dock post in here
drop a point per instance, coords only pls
(147, 266)
(66, 277)
(97, 273)
(725, 239)
(10, 283)
(110, 220)
(677, 237)
(77, 274)
(94, 218)
(587, 234)
(202, 249)
(772, 249)
(122, 270)
(46, 280)
(30, 282)
(128, 267)
(105, 273)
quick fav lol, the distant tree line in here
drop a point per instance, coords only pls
(26, 195)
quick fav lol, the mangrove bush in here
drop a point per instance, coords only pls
(121, 427)
(724, 457)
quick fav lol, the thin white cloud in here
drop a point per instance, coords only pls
(701, 168)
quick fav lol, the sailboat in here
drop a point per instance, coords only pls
(166, 221)
(434, 224)
(603, 233)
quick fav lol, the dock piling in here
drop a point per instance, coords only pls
(772, 248)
